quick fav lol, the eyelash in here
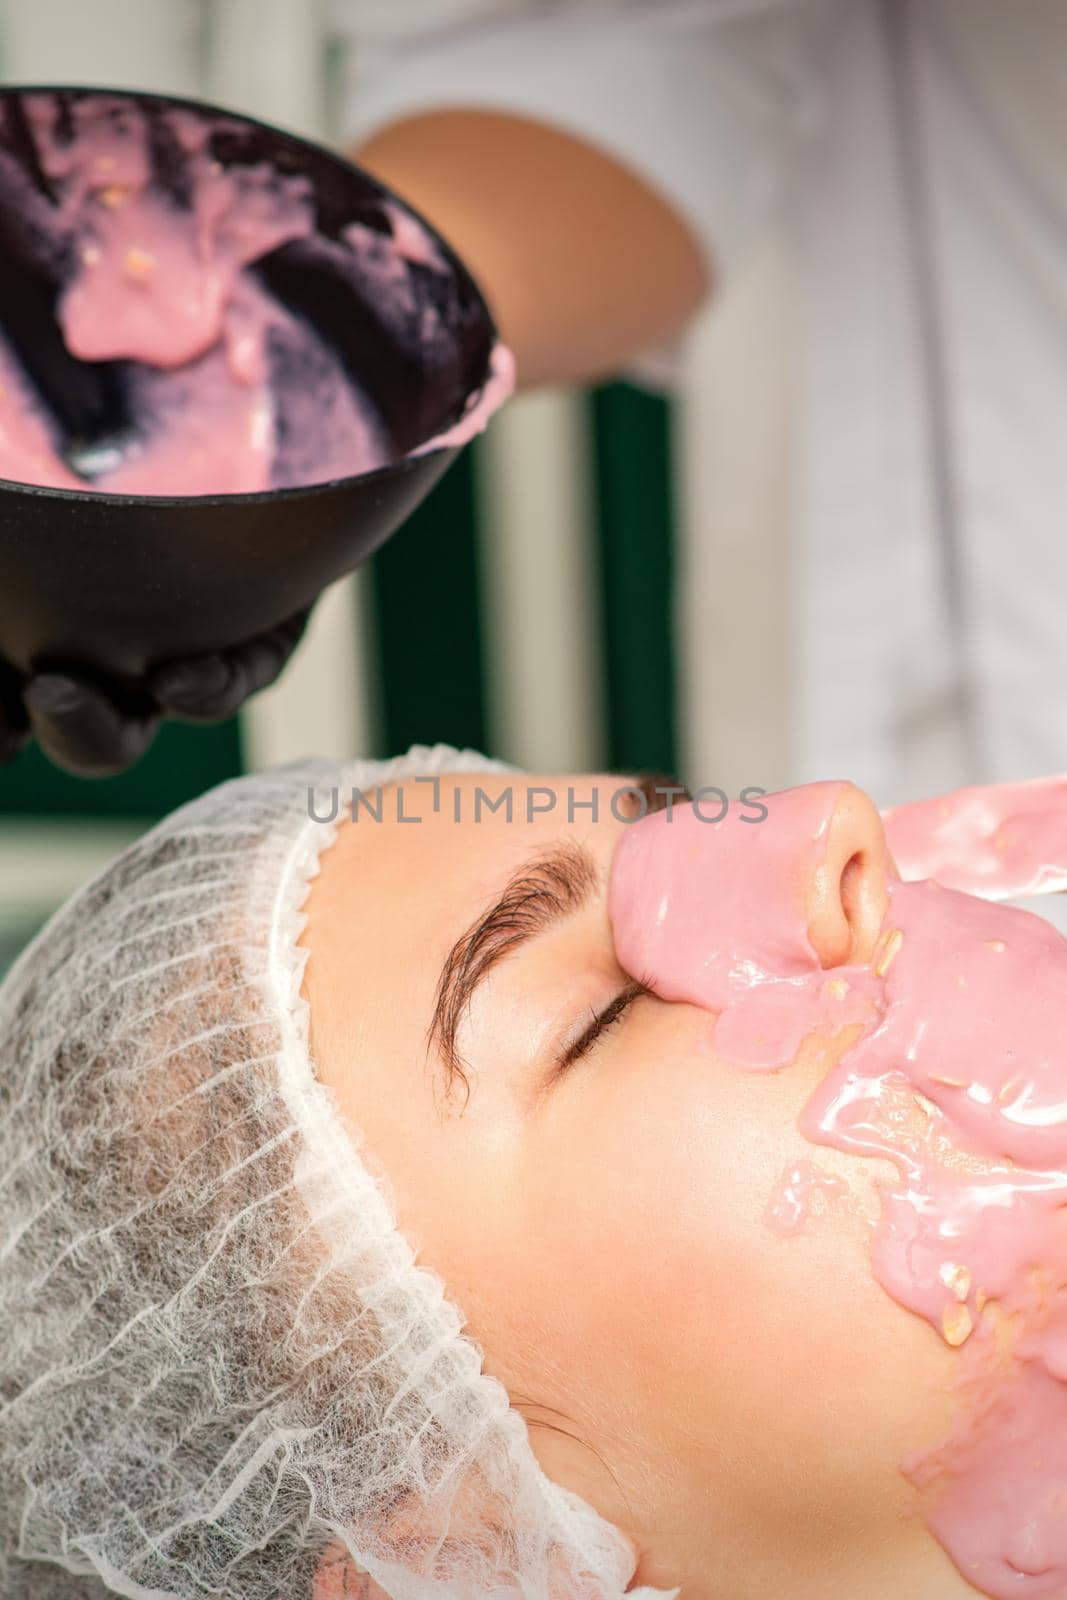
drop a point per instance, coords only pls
(612, 1013)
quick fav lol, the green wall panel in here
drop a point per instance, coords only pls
(427, 602)
(635, 518)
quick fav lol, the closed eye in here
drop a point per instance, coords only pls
(613, 1012)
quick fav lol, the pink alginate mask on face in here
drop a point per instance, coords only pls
(168, 286)
(958, 1076)
(1002, 841)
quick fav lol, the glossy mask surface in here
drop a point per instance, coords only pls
(1001, 841)
(956, 1073)
(232, 393)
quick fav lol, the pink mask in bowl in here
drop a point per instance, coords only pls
(172, 262)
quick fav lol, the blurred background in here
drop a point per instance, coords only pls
(528, 608)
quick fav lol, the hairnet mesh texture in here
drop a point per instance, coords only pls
(218, 1354)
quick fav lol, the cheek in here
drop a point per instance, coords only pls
(681, 1313)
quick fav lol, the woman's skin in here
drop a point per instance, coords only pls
(736, 1401)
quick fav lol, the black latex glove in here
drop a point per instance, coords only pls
(80, 728)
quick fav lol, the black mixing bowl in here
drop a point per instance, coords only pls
(113, 584)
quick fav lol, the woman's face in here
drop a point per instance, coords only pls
(736, 1399)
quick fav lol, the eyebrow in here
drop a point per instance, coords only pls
(542, 892)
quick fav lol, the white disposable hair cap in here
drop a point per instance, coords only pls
(219, 1357)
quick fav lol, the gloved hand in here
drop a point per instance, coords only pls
(81, 728)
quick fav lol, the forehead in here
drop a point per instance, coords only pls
(470, 827)
(414, 862)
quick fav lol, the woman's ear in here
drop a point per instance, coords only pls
(338, 1578)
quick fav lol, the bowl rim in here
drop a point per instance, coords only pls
(254, 497)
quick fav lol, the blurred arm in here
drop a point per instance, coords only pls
(583, 264)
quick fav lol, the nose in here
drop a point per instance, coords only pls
(702, 909)
(846, 892)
